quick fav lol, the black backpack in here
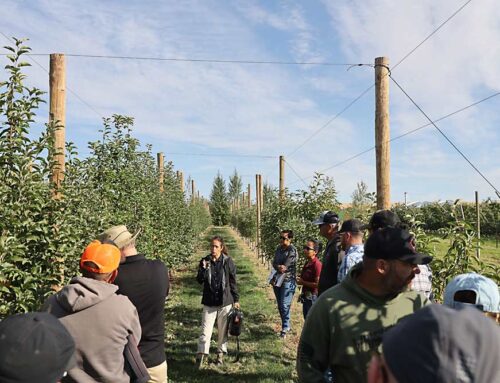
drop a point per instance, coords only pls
(234, 326)
(235, 322)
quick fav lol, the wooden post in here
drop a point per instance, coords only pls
(198, 194)
(159, 157)
(249, 196)
(257, 202)
(192, 190)
(382, 133)
(478, 225)
(261, 193)
(282, 178)
(57, 115)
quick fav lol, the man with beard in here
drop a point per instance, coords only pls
(346, 324)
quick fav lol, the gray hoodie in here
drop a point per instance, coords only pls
(99, 321)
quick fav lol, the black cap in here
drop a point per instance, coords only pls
(327, 217)
(383, 218)
(439, 344)
(352, 226)
(34, 347)
(394, 243)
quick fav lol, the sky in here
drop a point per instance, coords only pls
(210, 117)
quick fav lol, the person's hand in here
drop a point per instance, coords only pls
(281, 268)
(237, 305)
(299, 280)
(205, 263)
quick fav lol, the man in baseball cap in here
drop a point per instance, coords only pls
(475, 290)
(34, 347)
(438, 344)
(351, 241)
(386, 218)
(328, 224)
(381, 219)
(345, 325)
(98, 319)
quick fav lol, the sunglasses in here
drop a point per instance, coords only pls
(284, 238)
(309, 248)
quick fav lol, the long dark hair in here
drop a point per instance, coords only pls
(223, 245)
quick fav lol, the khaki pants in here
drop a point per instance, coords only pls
(158, 373)
(209, 315)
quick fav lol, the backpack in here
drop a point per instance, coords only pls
(234, 326)
(235, 322)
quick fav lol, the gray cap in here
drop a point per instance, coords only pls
(439, 344)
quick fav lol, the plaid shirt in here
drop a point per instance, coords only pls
(423, 281)
(353, 256)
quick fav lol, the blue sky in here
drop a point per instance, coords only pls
(270, 110)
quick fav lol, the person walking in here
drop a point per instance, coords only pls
(309, 276)
(217, 274)
(345, 325)
(284, 262)
(145, 282)
(328, 223)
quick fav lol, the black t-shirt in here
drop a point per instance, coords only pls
(145, 282)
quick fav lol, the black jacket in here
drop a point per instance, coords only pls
(330, 269)
(145, 282)
(228, 283)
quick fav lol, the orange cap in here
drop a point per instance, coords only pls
(105, 256)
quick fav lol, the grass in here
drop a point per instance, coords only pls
(489, 251)
(264, 357)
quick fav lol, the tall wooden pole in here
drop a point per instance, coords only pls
(57, 115)
(249, 196)
(261, 194)
(478, 226)
(382, 133)
(282, 178)
(159, 158)
(192, 190)
(257, 202)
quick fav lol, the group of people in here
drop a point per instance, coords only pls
(356, 296)
(373, 318)
(368, 312)
(106, 325)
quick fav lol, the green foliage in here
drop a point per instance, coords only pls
(41, 237)
(296, 212)
(461, 256)
(235, 187)
(244, 220)
(219, 202)
(363, 203)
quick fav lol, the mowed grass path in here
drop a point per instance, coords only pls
(264, 357)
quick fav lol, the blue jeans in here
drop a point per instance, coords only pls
(284, 297)
(307, 304)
